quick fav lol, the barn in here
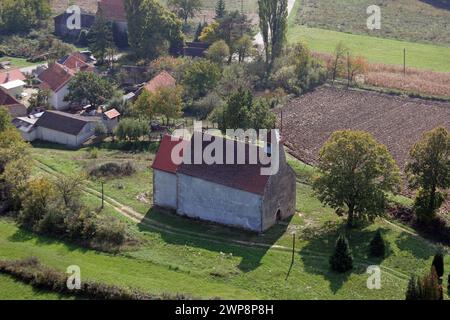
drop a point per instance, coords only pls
(64, 128)
(236, 195)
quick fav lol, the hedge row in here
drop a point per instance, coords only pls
(41, 277)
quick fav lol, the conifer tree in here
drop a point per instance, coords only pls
(413, 290)
(220, 9)
(438, 263)
(377, 245)
(342, 259)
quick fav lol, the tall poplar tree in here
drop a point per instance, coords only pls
(273, 16)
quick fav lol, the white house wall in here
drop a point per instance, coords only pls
(165, 189)
(57, 98)
(213, 202)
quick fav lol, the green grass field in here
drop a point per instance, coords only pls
(375, 49)
(177, 255)
(410, 20)
(17, 62)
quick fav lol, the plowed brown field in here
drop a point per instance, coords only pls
(395, 121)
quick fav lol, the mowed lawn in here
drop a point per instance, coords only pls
(375, 49)
(177, 255)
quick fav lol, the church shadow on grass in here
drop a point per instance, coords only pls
(320, 245)
(210, 236)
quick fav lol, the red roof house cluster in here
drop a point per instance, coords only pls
(56, 76)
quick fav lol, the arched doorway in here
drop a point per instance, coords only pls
(278, 216)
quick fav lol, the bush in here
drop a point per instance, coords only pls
(203, 107)
(218, 52)
(438, 263)
(413, 290)
(342, 259)
(377, 246)
(109, 231)
(112, 169)
(425, 288)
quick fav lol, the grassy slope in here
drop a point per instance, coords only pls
(186, 260)
(410, 20)
(12, 289)
(388, 51)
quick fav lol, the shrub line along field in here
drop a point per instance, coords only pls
(395, 121)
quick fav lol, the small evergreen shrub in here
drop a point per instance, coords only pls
(413, 290)
(425, 288)
(342, 259)
(438, 263)
(377, 246)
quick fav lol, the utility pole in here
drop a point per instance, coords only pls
(404, 61)
(348, 69)
(103, 195)
(293, 248)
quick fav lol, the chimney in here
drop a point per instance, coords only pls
(8, 76)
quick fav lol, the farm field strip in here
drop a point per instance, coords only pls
(397, 122)
(374, 49)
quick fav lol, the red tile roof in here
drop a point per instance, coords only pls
(76, 63)
(163, 160)
(111, 114)
(246, 177)
(14, 107)
(56, 76)
(162, 80)
(11, 75)
(113, 10)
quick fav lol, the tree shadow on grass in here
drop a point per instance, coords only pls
(22, 235)
(178, 230)
(416, 246)
(320, 246)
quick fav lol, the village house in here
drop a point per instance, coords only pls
(12, 81)
(162, 80)
(236, 195)
(114, 11)
(14, 107)
(111, 119)
(57, 76)
(64, 128)
(59, 127)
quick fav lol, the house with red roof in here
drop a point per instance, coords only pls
(56, 79)
(13, 81)
(114, 11)
(162, 80)
(14, 107)
(229, 193)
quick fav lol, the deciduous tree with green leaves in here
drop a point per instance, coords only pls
(356, 173)
(273, 16)
(429, 171)
(88, 87)
(200, 76)
(152, 29)
(185, 8)
(101, 38)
